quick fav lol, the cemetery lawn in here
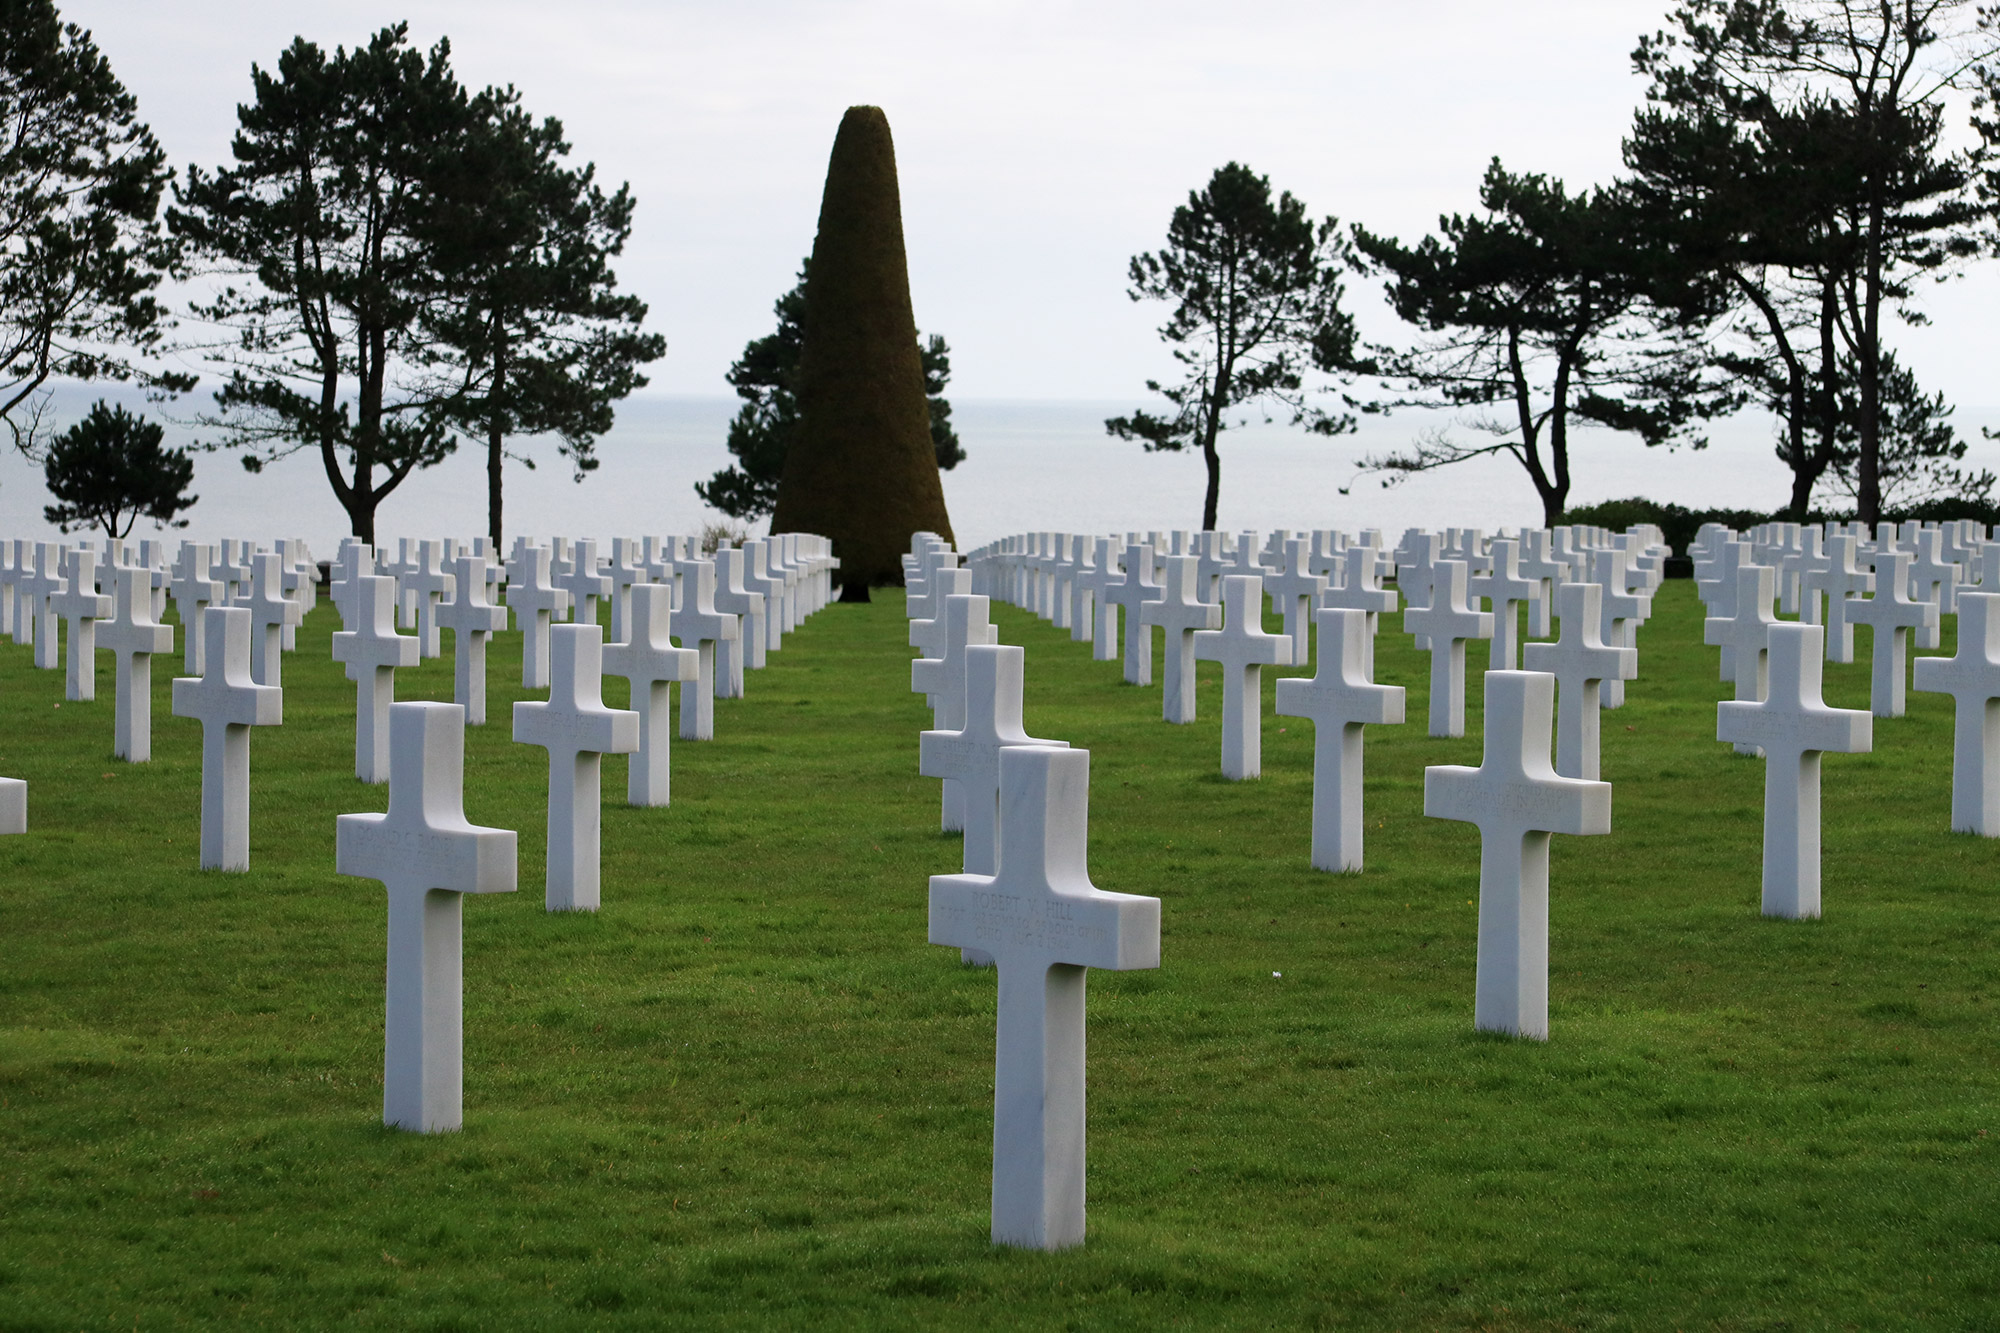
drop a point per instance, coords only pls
(747, 1093)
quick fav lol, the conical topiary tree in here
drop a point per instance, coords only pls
(862, 469)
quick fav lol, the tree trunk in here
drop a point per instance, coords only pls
(1868, 359)
(1211, 428)
(495, 455)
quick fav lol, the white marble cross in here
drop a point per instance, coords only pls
(1294, 590)
(472, 620)
(1891, 615)
(941, 679)
(1244, 650)
(10, 573)
(1104, 572)
(733, 597)
(1361, 589)
(372, 651)
(626, 568)
(1793, 727)
(1340, 700)
(355, 560)
(1539, 563)
(133, 636)
(1128, 593)
(195, 588)
(699, 626)
(1044, 922)
(927, 635)
(767, 580)
(1972, 678)
(651, 663)
(270, 611)
(1517, 800)
(34, 591)
(1445, 624)
(1506, 587)
(227, 703)
(1933, 578)
(428, 857)
(1084, 578)
(1623, 612)
(536, 603)
(1839, 578)
(970, 755)
(82, 606)
(430, 585)
(1745, 636)
(1181, 614)
(13, 806)
(1718, 593)
(1579, 660)
(578, 731)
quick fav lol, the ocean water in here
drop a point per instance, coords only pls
(1029, 465)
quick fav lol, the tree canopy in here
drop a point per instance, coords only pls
(1256, 290)
(529, 334)
(109, 471)
(761, 433)
(1836, 108)
(1530, 316)
(861, 468)
(317, 231)
(81, 248)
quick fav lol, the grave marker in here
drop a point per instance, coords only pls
(1972, 678)
(578, 731)
(372, 651)
(1793, 727)
(1579, 660)
(1445, 624)
(1891, 615)
(1340, 699)
(227, 703)
(133, 636)
(1244, 650)
(1044, 922)
(472, 620)
(698, 625)
(650, 662)
(536, 603)
(1182, 614)
(79, 602)
(428, 857)
(1517, 800)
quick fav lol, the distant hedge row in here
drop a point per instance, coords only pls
(1680, 524)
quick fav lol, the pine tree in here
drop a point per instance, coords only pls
(861, 469)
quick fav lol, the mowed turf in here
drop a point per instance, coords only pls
(747, 1093)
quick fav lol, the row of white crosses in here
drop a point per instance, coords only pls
(1774, 666)
(423, 850)
(570, 660)
(1017, 782)
(1022, 903)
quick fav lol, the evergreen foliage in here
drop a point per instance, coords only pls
(1256, 291)
(1800, 144)
(764, 378)
(1532, 312)
(80, 186)
(862, 468)
(318, 230)
(109, 471)
(529, 334)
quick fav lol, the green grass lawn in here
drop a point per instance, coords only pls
(747, 1093)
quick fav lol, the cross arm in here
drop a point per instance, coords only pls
(464, 858)
(1119, 932)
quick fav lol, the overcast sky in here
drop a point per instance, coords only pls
(1040, 143)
